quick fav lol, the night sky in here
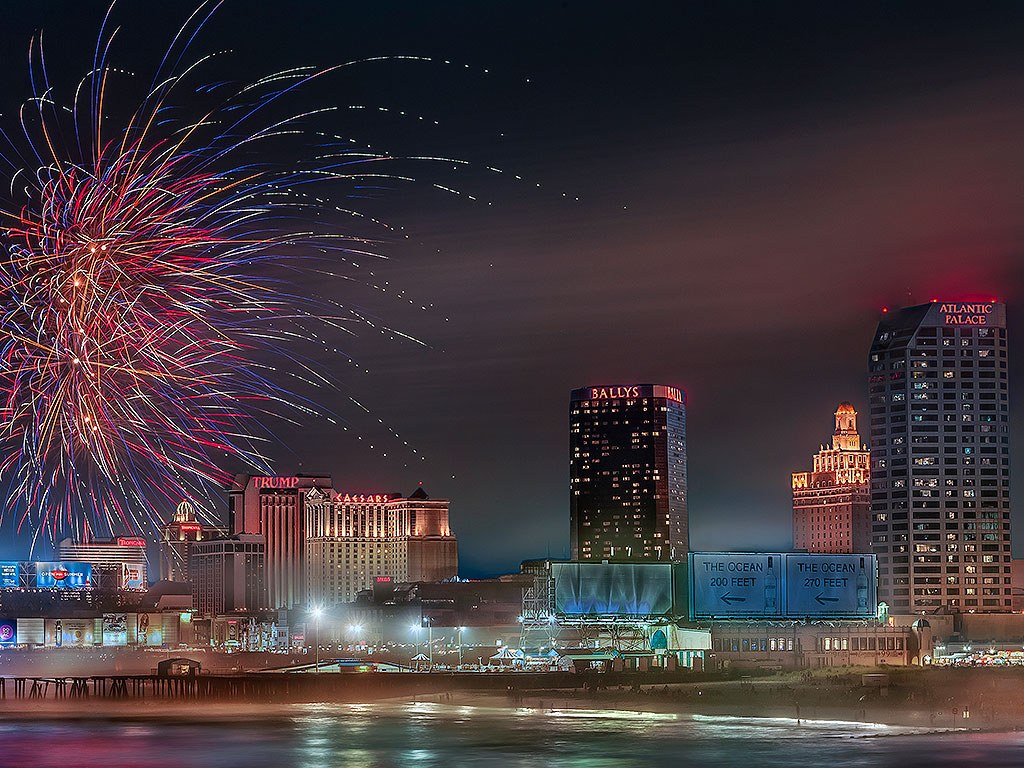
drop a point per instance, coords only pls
(754, 185)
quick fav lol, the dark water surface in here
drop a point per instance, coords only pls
(427, 735)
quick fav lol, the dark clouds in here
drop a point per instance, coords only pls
(755, 183)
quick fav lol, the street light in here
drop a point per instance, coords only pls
(430, 642)
(317, 613)
(461, 630)
(356, 630)
(416, 641)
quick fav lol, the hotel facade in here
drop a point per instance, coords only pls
(627, 473)
(940, 458)
(354, 540)
(274, 507)
(228, 575)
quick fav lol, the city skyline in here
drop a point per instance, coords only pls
(519, 382)
(772, 287)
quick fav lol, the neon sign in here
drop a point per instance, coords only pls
(611, 393)
(966, 314)
(672, 393)
(190, 526)
(276, 482)
(361, 498)
(635, 391)
(130, 541)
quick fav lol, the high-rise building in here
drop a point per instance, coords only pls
(627, 473)
(940, 458)
(176, 540)
(832, 503)
(228, 575)
(120, 561)
(274, 507)
(354, 539)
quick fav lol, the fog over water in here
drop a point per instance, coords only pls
(374, 736)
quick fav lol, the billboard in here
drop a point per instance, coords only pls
(8, 632)
(831, 585)
(132, 576)
(69, 633)
(9, 575)
(65, 575)
(735, 584)
(115, 629)
(744, 585)
(616, 589)
(148, 629)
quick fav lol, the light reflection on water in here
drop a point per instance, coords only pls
(429, 735)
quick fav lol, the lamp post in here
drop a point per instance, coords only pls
(416, 640)
(460, 647)
(356, 630)
(317, 612)
(430, 643)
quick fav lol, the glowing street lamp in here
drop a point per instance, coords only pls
(430, 642)
(355, 630)
(317, 613)
(416, 634)
(461, 630)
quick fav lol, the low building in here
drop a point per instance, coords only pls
(401, 612)
(791, 645)
(229, 575)
(1017, 584)
(123, 558)
(88, 629)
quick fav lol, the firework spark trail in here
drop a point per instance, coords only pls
(133, 307)
(129, 302)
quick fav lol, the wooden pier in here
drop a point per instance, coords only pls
(276, 688)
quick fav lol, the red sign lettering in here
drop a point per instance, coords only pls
(630, 392)
(673, 393)
(275, 482)
(126, 541)
(611, 393)
(361, 498)
(966, 314)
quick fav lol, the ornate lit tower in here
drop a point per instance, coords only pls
(832, 503)
(846, 437)
(176, 541)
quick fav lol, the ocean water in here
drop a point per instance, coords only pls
(448, 736)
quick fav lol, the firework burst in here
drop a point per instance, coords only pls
(132, 298)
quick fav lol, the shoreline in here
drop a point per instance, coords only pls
(907, 722)
(921, 700)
